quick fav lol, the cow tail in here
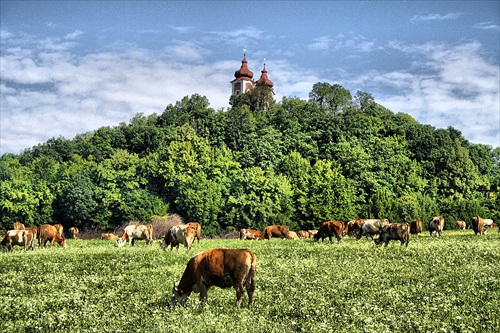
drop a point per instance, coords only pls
(253, 266)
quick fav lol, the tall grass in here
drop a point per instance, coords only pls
(450, 284)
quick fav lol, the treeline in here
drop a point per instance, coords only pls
(297, 163)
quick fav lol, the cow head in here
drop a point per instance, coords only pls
(178, 296)
(120, 242)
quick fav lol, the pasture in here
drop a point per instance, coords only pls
(447, 284)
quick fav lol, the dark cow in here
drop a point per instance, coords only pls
(48, 233)
(352, 227)
(436, 226)
(223, 268)
(394, 231)
(73, 232)
(371, 227)
(136, 231)
(478, 225)
(179, 234)
(416, 227)
(460, 225)
(250, 234)
(197, 227)
(18, 237)
(278, 231)
(330, 229)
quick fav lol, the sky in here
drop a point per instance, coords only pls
(70, 67)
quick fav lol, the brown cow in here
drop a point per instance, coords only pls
(353, 227)
(436, 226)
(18, 237)
(179, 234)
(109, 236)
(73, 232)
(416, 227)
(478, 225)
(303, 234)
(279, 231)
(330, 229)
(223, 268)
(18, 226)
(136, 231)
(292, 235)
(460, 225)
(197, 228)
(59, 228)
(47, 232)
(394, 231)
(250, 234)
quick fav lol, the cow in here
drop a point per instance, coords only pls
(292, 235)
(303, 234)
(46, 233)
(197, 227)
(109, 236)
(73, 232)
(478, 225)
(416, 227)
(223, 268)
(18, 237)
(59, 228)
(312, 232)
(371, 227)
(488, 223)
(136, 231)
(250, 234)
(179, 234)
(330, 229)
(436, 226)
(18, 226)
(279, 231)
(352, 227)
(460, 225)
(394, 231)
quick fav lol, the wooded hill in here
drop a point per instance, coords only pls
(296, 162)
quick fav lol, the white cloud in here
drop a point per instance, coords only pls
(486, 26)
(435, 17)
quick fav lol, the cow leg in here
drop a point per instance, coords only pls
(203, 293)
(250, 287)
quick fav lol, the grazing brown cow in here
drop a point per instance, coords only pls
(278, 231)
(330, 229)
(109, 236)
(73, 232)
(416, 227)
(394, 231)
(371, 227)
(197, 227)
(179, 234)
(436, 226)
(353, 227)
(223, 268)
(303, 234)
(251, 234)
(478, 225)
(292, 235)
(460, 225)
(18, 237)
(46, 233)
(136, 231)
(18, 226)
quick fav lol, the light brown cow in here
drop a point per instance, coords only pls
(303, 234)
(292, 235)
(394, 231)
(179, 234)
(278, 231)
(416, 227)
(312, 232)
(223, 268)
(109, 236)
(73, 232)
(352, 227)
(250, 234)
(436, 226)
(330, 229)
(18, 226)
(59, 228)
(478, 225)
(136, 231)
(18, 237)
(46, 233)
(460, 225)
(197, 227)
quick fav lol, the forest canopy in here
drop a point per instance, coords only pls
(295, 162)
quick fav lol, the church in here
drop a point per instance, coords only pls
(244, 82)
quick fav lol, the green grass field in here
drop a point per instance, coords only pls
(450, 284)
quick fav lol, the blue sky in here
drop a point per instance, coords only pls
(71, 67)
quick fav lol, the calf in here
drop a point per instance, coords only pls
(436, 226)
(250, 234)
(179, 234)
(371, 227)
(223, 268)
(18, 237)
(136, 231)
(278, 231)
(330, 229)
(394, 231)
(46, 233)
(460, 225)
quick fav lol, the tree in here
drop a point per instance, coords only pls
(332, 97)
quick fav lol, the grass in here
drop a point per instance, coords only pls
(450, 284)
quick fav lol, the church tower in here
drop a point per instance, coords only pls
(265, 79)
(243, 81)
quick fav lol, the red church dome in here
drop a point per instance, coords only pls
(264, 78)
(244, 73)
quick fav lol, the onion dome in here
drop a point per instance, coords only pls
(243, 73)
(264, 78)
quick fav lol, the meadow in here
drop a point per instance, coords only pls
(447, 284)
